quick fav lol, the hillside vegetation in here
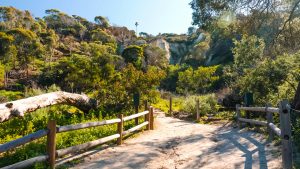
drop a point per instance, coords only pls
(234, 48)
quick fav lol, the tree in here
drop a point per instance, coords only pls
(13, 18)
(265, 19)
(6, 40)
(296, 100)
(169, 83)
(206, 12)
(50, 39)
(196, 81)
(102, 36)
(191, 30)
(102, 21)
(134, 54)
(247, 52)
(9, 53)
(272, 80)
(60, 22)
(145, 35)
(28, 46)
(155, 56)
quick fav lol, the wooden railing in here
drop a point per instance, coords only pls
(284, 132)
(52, 130)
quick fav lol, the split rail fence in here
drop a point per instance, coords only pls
(52, 130)
(283, 132)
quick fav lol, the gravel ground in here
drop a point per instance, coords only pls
(176, 144)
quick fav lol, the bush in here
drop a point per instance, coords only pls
(16, 128)
(34, 91)
(6, 95)
(208, 104)
(199, 80)
(163, 102)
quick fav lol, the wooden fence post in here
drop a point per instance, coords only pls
(136, 120)
(151, 118)
(286, 140)
(51, 143)
(170, 110)
(197, 110)
(269, 120)
(120, 129)
(238, 115)
(147, 116)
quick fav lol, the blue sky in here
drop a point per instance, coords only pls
(154, 16)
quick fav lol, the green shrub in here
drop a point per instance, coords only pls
(164, 104)
(208, 104)
(64, 115)
(6, 95)
(199, 80)
(29, 92)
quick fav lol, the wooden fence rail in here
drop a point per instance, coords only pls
(26, 139)
(27, 163)
(86, 125)
(52, 130)
(261, 109)
(284, 132)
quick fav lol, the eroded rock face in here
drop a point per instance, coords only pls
(182, 48)
(163, 44)
(178, 52)
(175, 50)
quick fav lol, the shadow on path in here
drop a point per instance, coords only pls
(182, 144)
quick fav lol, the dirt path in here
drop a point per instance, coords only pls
(180, 144)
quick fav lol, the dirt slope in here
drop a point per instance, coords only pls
(180, 144)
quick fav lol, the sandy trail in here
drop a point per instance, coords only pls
(176, 144)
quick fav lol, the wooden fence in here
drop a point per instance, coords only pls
(197, 108)
(284, 132)
(52, 130)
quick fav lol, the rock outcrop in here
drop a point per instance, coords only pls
(181, 48)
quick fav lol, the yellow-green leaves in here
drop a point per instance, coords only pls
(248, 52)
(196, 81)
(134, 54)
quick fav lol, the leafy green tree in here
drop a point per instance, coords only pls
(7, 49)
(102, 36)
(155, 56)
(248, 52)
(6, 41)
(135, 55)
(196, 81)
(13, 18)
(28, 46)
(169, 83)
(116, 93)
(64, 24)
(272, 80)
(205, 12)
(8, 52)
(80, 30)
(50, 39)
(71, 74)
(102, 21)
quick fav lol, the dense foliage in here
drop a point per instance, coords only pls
(78, 56)
(70, 53)
(237, 47)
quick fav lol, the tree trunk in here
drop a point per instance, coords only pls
(296, 101)
(20, 107)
